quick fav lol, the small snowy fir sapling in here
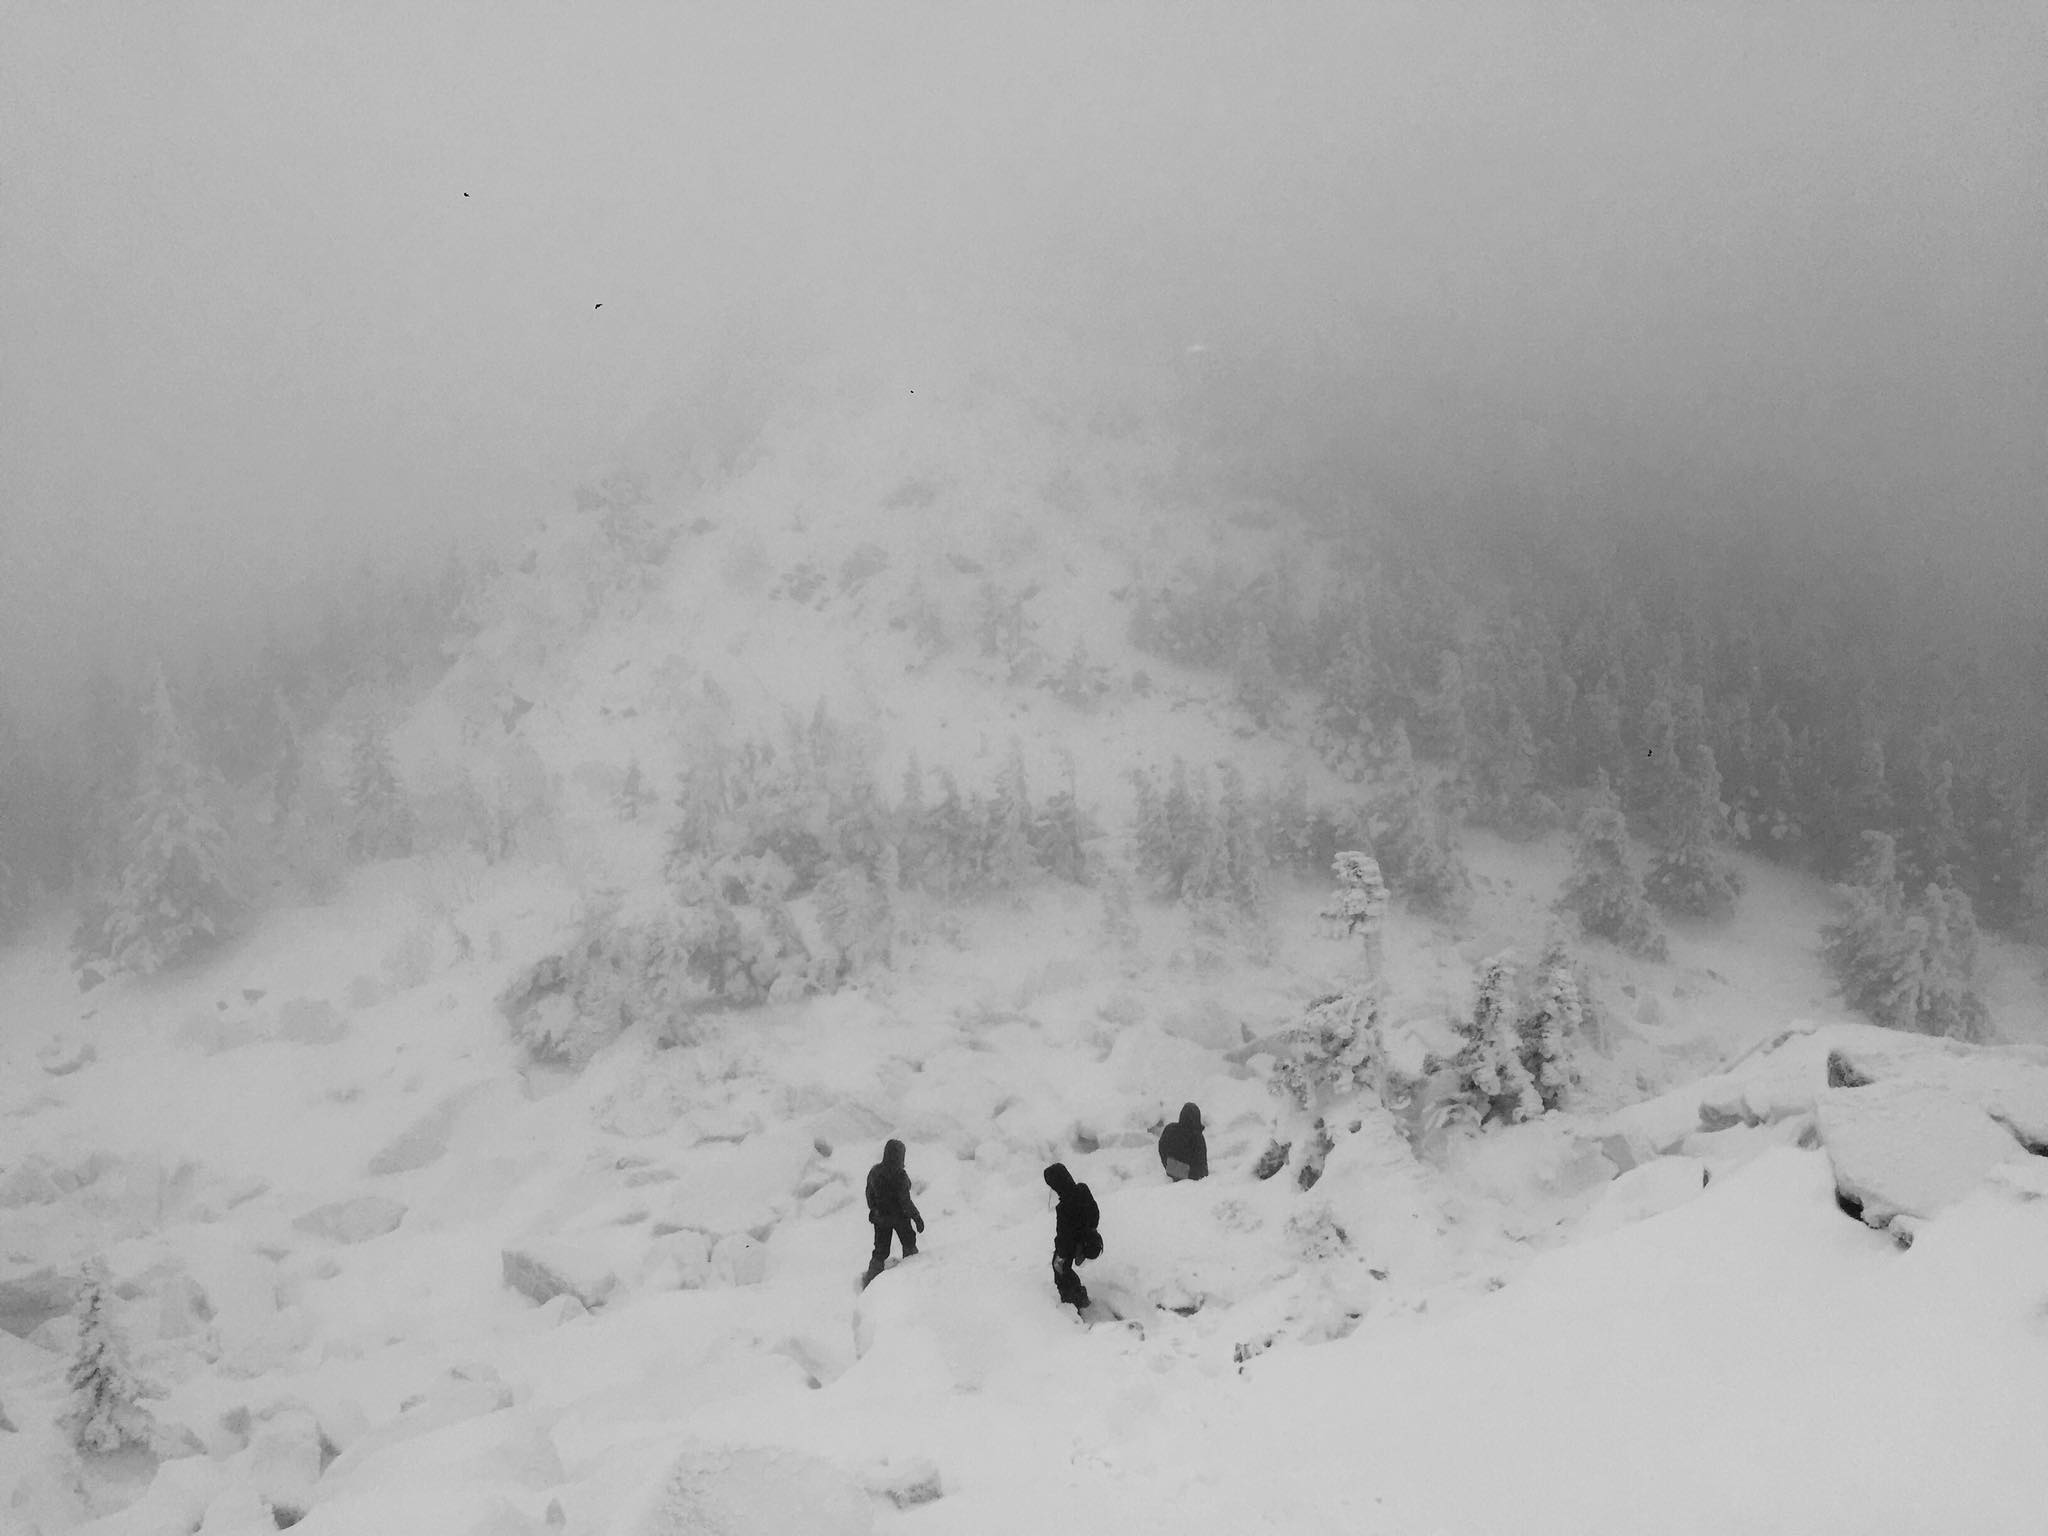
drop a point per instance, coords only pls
(1490, 1076)
(106, 1412)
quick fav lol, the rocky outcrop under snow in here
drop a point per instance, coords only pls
(728, 1490)
(1910, 1123)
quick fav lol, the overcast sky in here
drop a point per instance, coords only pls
(250, 322)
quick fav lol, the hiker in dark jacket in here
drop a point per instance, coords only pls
(890, 1208)
(1183, 1151)
(1076, 1235)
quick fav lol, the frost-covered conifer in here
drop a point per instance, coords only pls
(1061, 830)
(1411, 835)
(1488, 1064)
(913, 825)
(1555, 1021)
(950, 860)
(106, 1412)
(634, 797)
(380, 820)
(1010, 861)
(1949, 1004)
(1331, 1053)
(1875, 950)
(1602, 889)
(1240, 849)
(854, 912)
(1187, 828)
(1688, 875)
(1151, 842)
(178, 888)
(1359, 907)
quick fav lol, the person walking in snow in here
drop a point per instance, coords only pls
(1076, 1234)
(890, 1209)
(1183, 1150)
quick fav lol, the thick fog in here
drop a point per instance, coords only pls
(281, 287)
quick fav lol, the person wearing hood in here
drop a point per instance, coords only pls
(1183, 1151)
(1076, 1234)
(890, 1208)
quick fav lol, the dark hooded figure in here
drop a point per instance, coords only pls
(1183, 1151)
(890, 1208)
(1076, 1237)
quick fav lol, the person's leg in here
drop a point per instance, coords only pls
(1072, 1292)
(880, 1256)
(906, 1234)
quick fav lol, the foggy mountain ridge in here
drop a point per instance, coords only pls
(1664, 264)
(603, 613)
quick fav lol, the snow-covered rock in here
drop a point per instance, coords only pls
(65, 1052)
(1663, 1184)
(1908, 1147)
(425, 1141)
(450, 1400)
(182, 1308)
(173, 1505)
(541, 1270)
(354, 1220)
(720, 1490)
(285, 1460)
(29, 1301)
(238, 1511)
(211, 1031)
(905, 1482)
(739, 1260)
(310, 1021)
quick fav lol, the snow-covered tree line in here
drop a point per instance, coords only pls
(1733, 695)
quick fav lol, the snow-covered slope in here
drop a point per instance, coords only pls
(393, 1277)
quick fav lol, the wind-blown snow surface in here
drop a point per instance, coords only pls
(1510, 1343)
(318, 1165)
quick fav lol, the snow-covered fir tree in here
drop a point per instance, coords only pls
(1010, 862)
(913, 826)
(1688, 875)
(1412, 834)
(635, 796)
(854, 913)
(1151, 842)
(380, 824)
(1949, 1004)
(1240, 849)
(178, 887)
(1358, 909)
(1554, 1023)
(1332, 1052)
(1874, 949)
(105, 1413)
(1490, 1076)
(1062, 830)
(1602, 890)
